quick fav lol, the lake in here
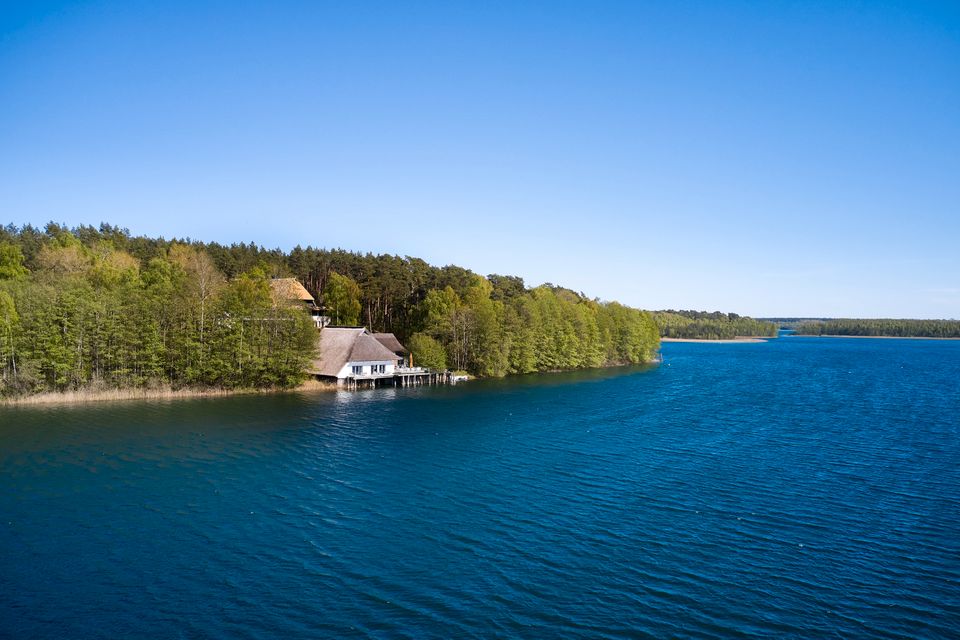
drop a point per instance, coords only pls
(799, 488)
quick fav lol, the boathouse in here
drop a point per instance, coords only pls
(353, 357)
(290, 291)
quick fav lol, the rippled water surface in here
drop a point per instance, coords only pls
(800, 488)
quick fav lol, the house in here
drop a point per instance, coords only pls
(349, 354)
(290, 291)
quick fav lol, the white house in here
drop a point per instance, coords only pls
(350, 353)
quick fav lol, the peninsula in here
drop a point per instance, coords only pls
(97, 309)
(715, 326)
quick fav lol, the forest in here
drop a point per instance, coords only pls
(881, 327)
(95, 307)
(703, 325)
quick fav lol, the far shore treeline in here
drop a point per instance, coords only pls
(702, 325)
(94, 307)
(889, 327)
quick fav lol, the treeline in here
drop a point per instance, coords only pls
(791, 323)
(96, 306)
(882, 327)
(703, 325)
(495, 326)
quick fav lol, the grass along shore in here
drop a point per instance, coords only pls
(91, 395)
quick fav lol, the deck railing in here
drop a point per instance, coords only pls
(411, 370)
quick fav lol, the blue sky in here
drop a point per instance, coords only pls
(770, 158)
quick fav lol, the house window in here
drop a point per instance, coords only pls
(357, 369)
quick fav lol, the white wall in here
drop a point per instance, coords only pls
(347, 371)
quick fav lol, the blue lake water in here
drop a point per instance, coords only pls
(799, 488)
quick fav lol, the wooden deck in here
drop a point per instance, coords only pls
(405, 377)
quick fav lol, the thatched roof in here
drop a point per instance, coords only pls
(340, 345)
(284, 289)
(390, 342)
(367, 349)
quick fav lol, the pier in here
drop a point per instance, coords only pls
(399, 377)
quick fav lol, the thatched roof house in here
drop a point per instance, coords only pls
(287, 289)
(290, 291)
(351, 352)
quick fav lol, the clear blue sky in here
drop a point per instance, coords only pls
(768, 158)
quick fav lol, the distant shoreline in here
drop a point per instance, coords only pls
(741, 340)
(797, 335)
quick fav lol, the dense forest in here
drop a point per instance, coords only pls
(882, 327)
(80, 310)
(97, 307)
(703, 325)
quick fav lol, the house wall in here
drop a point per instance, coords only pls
(347, 371)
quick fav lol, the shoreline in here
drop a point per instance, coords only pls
(89, 396)
(739, 340)
(830, 335)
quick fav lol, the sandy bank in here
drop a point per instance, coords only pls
(84, 396)
(744, 340)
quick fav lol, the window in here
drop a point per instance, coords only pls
(357, 369)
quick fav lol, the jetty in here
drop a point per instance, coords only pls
(401, 377)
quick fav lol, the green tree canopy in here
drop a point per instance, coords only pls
(341, 295)
(11, 262)
(427, 352)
